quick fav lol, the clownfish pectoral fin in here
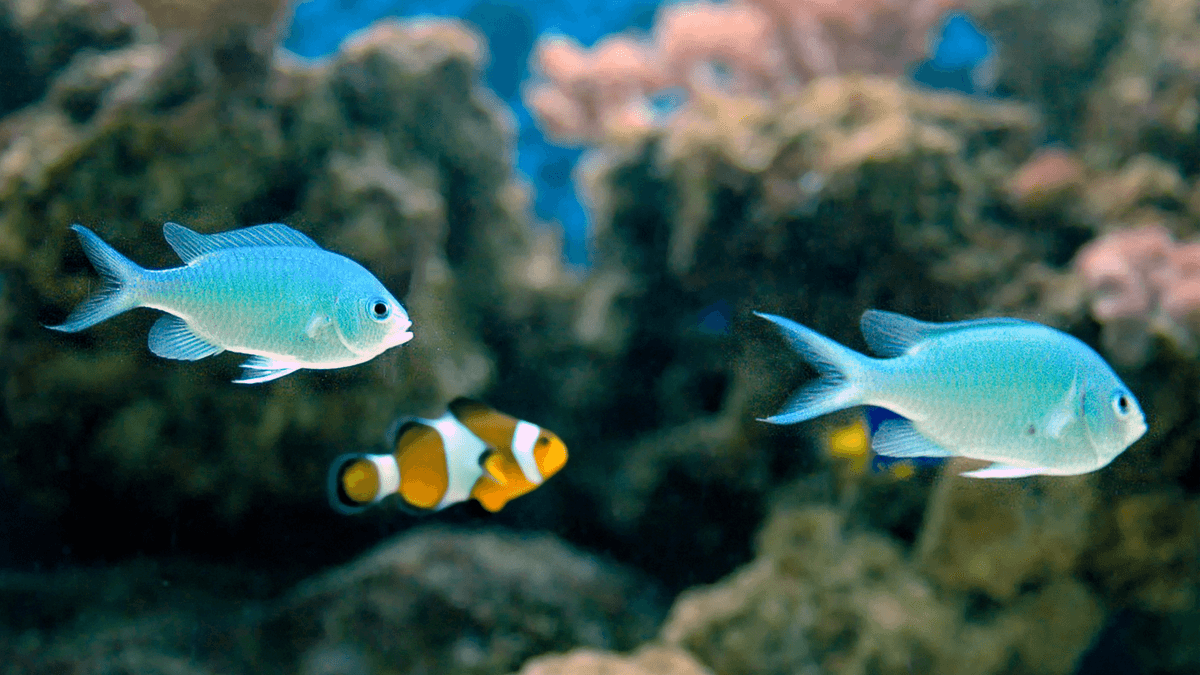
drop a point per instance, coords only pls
(493, 466)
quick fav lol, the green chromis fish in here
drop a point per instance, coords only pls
(1028, 398)
(267, 290)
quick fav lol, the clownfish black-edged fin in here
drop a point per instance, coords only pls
(493, 466)
(339, 498)
(473, 451)
(463, 406)
(397, 426)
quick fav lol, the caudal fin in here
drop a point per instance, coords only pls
(842, 373)
(119, 293)
(358, 480)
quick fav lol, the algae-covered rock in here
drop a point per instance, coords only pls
(445, 602)
(1051, 52)
(999, 537)
(436, 600)
(390, 153)
(1146, 99)
(651, 660)
(139, 617)
(819, 598)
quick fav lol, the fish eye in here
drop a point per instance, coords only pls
(1121, 404)
(380, 310)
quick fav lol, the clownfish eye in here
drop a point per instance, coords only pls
(1122, 404)
(542, 440)
(379, 310)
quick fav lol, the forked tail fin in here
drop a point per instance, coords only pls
(842, 371)
(119, 293)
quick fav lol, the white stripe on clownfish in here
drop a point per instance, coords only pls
(524, 438)
(464, 458)
(471, 442)
(389, 474)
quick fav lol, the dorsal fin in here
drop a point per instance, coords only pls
(190, 244)
(490, 425)
(890, 334)
(463, 407)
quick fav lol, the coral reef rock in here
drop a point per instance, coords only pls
(434, 600)
(822, 599)
(444, 602)
(390, 153)
(653, 660)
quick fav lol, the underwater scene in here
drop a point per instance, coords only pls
(585, 337)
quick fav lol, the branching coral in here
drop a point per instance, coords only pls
(1143, 282)
(1045, 179)
(760, 47)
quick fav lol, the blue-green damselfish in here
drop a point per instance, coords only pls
(266, 290)
(1031, 399)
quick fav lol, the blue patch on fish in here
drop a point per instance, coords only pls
(714, 319)
(964, 58)
(268, 291)
(1028, 398)
(874, 418)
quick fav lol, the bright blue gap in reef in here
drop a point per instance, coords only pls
(512, 26)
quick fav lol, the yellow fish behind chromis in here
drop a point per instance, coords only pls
(472, 451)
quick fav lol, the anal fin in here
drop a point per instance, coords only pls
(1005, 471)
(258, 369)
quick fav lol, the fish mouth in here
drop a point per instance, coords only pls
(1140, 430)
(404, 335)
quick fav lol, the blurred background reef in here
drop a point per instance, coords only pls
(800, 157)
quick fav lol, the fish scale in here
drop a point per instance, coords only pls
(1011, 407)
(267, 291)
(224, 286)
(1029, 398)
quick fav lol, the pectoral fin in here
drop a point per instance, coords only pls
(492, 466)
(316, 324)
(1063, 412)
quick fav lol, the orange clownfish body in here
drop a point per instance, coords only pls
(473, 451)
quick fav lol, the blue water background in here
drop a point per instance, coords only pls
(511, 28)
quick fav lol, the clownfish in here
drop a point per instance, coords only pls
(471, 452)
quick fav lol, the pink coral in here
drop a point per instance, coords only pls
(1181, 285)
(588, 92)
(1048, 175)
(1120, 269)
(693, 37)
(826, 37)
(1141, 281)
(756, 47)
